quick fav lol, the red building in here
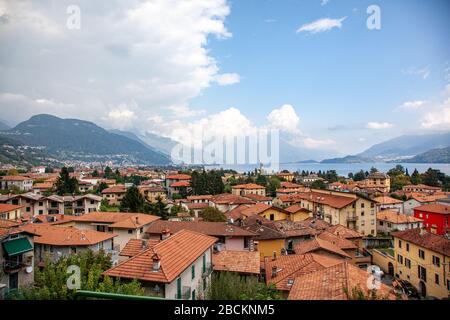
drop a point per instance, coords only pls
(435, 217)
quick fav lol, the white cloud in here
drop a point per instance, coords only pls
(183, 111)
(424, 73)
(226, 79)
(121, 117)
(439, 118)
(317, 143)
(379, 125)
(324, 2)
(413, 105)
(270, 20)
(284, 119)
(321, 25)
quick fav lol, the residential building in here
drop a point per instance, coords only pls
(436, 217)
(423, 258)
(20, 182)
(386, 202)
(114, 194)
(75, 205)
(267, 212)
(297, 213)
(38, 169)
(309, 179)
(10, 212)
(417, 199)
(152, 194)
(389, 221)
(376, 181)
(178, 267)
(287, 176)
(177, 183)
(248, 188)
(421, 188)
(228, 236)
(16, 257)
(259, 198)
(226, 202)
(41, 188)
(136, 246)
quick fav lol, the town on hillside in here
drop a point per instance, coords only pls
(196, 234)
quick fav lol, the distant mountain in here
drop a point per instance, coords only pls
(398, 149)
(157, 142)
(441, 155)
(72, 139)
(4, 125)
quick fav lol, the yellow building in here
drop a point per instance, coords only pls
(248, 188)
(10, 212)
(287, 176)
(151, 194)
(423, 258)
(377, 181)
(347, 209)
(266, 211)
(297, 213)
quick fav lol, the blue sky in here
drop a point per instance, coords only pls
(230, 66)
(339, 78)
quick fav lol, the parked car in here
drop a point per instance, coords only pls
(407, 289)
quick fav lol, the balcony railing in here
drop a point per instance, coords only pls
(207, 270)
(352, 218)
(185, 294)
(12, 265)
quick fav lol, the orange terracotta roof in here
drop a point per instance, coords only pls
(236, 213)
(135, 246)
(333, 282)
(420, 186)
(200, 197)
(8, 207)
(387, 200)
(178, 177)
(256, 209)
(65, 236)
(396, 217)
(289, 185)
(331, 200)
(434, 208)
(291, 266)
(115, 189)
(227, 198)
(123, 220)
(344, 232)
(176, 254)
(425, 239)
(339, 242)
(181, 184)
(297, 208)
(237, 261)
(248, 186)
(14, 178)
(257, 197)
(318, 244)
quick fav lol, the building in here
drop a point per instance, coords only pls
(297, 213)
(38, 169)
(56, 242)
(226, 202)
(248, 188)
(19, 182)
(152, 194)
(178, 267)
(124, 224)
(114, 194)
(389, 221)
(421, 188)
(287, 176)
(16, 257)
(228, 236)
(246, 263)
(376, 181)
(416, 200)
(259, 198)
(341, 279)
(136, 246)
(267, 212)
(422, 258)
(177, 183)
(436, 217)
(41, 188)
(386, 202)
(73, 205)
(309, 179)
(10, 212)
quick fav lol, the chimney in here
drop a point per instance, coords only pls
(156, 262)
(274, 256)
(165, 233)
(422, 231)
(143, 244)
(274, 271)
(83, 236)
(137, 219)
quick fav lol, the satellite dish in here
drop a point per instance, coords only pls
(29, 269)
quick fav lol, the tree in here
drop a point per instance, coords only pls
(357, 293)
(399, 181)
(102, 186)
(274, 184)
(51, 281)
(261, 180)
(398, 170)
(48, 170)
(232, 286)
(359, 176)
(433, 177)
(373, 170)
(415, 177)
(212, 214)
(133, 201)
(95, 173)
(66, 184)
(318, 184)
(107, 173)
(159, 208)
(13, 172)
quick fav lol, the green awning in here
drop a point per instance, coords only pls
(17, 246)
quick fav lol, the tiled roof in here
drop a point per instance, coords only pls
(8, 207)
(216, 229)
(176, 254)
(293, 198)
(197, 206)
(290, 185)
(339, 242)
(296, 208)
(135, 246)
(65, 236)
(344, 232)
(248, 186)
(387, 200)
(256, 209)
(14, 178)
(236, 213)
(227, 198)
(199, 197)
(434, 208)
(125, 220)
(180, 184)
(291, 266)
(332, 200)
(237, 261)
(43, 186)
(115, 189)
(293, 228)
(257, 197)
(420, 186)
(178, 177)
(264, 232)
(396, 217)
(332, 283)
(425, 239)
(316, 244)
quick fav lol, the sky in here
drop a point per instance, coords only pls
(309, 68)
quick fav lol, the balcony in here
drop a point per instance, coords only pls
(352, 218)
(12, 265)
(185, 294)
(207, 270)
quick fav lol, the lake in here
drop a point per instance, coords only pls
(343, 169)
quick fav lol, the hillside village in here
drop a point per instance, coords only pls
(180, 234)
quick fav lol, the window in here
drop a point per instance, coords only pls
(422, 273)
(141, 230)
(193, 294)
(362, 213)
(272, 217)
(381, 223)
(246, 242)
(421, 254)
(436, 278)
(408, 263)
(448, 285)
(399, 243)
(400, 259)
(436, 261)
(28, 209)
(130, 231)
(193, 272)
(204, 263)
(362, 205)
(41, 204)
(407, 247)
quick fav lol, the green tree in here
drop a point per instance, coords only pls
(212, 214)
(398, 181)
(373, 170)
(133, 201)
(416, 177)
(359, 176)
(318, 184)
(107, 173)
(66, 184)
(102, 186)
(261, 180)
(159, 208)
(274, 184)
(95, 173)
(398, 170)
